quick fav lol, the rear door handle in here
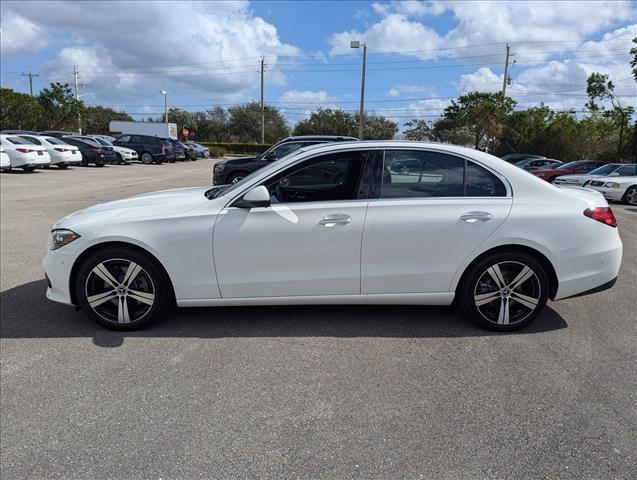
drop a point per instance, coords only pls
(332, 220)
(478, 216)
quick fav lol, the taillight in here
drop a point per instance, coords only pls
(61, 149)
(602, 214)
(163, 150)
(25, 150)
(96, 150)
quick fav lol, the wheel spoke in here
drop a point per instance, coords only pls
(484, 298)
(97, 300)
(496, 274)
(122, 311)
(522, 277)
(143, 297)
(528, 302)
(101, 271)
(503, 316)
(131, 273)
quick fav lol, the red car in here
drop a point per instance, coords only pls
(576, 167)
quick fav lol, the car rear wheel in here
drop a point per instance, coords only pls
(630, 197)
(146, 158)
(504, 291)
(29, 168)
(122, 289)
(62, 166)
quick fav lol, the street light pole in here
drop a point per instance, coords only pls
(361, 121)
(165, 94)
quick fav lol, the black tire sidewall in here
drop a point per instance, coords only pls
(625, 199)
(163, 291)
(466, 288)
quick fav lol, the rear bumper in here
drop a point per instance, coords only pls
(615, 194)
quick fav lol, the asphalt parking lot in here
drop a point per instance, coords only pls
(301, 392)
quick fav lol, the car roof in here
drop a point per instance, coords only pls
(318, 137)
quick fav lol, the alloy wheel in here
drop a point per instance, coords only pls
(236, 179)
(147, 158)
(507, 293)
(120, 291)
(631, 196)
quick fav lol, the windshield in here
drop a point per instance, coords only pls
(102, 141)
(569, 165)
(604, 170)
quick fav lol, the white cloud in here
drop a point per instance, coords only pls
(482, 79)
(401, 88)
(303, 102)
(19, 35)
(213, 47)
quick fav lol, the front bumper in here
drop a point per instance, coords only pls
(57, 269)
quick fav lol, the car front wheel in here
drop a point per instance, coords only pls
(504, 291)
(122, 289)
(630, 197)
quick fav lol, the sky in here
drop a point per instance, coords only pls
(420, 55)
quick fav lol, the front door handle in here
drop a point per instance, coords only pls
(478, 216)
(332, 220)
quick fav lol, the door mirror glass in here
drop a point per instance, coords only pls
(257, 197)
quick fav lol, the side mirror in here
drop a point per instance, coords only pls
(257, 197)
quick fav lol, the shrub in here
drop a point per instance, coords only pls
(217, 152)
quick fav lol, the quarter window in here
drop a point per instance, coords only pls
(331, 177)
(409, 174)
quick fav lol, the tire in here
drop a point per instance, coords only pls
(99, 163)
(509, 305)
(236, 177)
(62, 166)
(84, 161)
(146, 158)
(120, 159)
(111, 303)
(630, 197)
(28, 169)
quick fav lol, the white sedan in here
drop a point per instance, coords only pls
(62, 154)
(578, 180)
(337, 224)
(23, 154)
(618, 189)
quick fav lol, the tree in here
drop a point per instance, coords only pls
(446, 131)
(181, 118)
(418, 130)
(376, 127)
(97, 119)
(19, 111)
(326, 122)
(525, 131)
(60, 108)
(212, 124)
(482, 113)
(599, 87)
(244, 123)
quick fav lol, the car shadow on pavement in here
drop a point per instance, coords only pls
(26, 313)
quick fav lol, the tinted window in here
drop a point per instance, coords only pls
(330, 177)
(482, 183)
(282, 150)
(54, 141)
(627, 171)
(33, 140)
(576, 164)
(421, 174)
(18, 141)
(102, 141)
(166, 142)
(432, 174)
(124, 139)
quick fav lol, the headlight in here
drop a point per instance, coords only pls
(59, 238)
(612, 185)
(219, 166)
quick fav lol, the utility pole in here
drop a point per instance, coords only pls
(31, 75)
(262, 105)
(506, 74)
(361, 118)
(77, 97)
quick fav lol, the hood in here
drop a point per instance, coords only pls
(239, 161)
(144, 206)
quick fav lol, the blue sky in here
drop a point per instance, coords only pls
(420, 54)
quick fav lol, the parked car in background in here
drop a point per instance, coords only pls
(123, 155)
(18, 132)
(107, 151)
(179, 150)
(107, 137)
(5, 162)
(516, 157)
(578, 166)
(616, 188)
(234, 170)
(91, 152)
(189, 151)
(536, 163)
(23, 154)
(323, 226)
(202, 152)
(57, 133)
(149, 149)
(62, 154)
(615, 169)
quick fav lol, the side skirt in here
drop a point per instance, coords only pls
(438, 298)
